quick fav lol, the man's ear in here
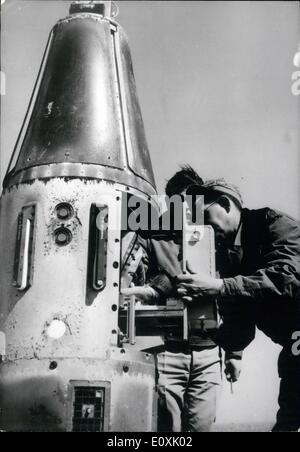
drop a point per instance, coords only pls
(225, 203)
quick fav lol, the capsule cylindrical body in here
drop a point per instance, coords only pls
(82, 146)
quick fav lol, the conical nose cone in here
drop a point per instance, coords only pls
(85, 111)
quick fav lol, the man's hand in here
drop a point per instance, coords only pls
(233, 369)
(198, 285)
(144, 293)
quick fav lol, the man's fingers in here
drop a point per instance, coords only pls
(231, 377)
(184, 295)
(187, 299)
(190, 288)
(184, 278)
(186, 286)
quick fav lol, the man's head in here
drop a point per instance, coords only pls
(181, 180)
(222, 208)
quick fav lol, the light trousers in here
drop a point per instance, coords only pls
(188, 386)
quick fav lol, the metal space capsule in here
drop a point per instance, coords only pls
(81, 147)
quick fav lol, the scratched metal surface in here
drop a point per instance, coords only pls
(33, 393)
(84, 108)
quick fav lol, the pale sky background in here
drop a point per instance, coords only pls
(214, 83)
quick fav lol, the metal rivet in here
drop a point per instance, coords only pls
(53, 365)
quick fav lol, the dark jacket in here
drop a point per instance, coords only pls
(265, 278)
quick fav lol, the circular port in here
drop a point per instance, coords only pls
(64, 211)
(62, 236)
(56, 329)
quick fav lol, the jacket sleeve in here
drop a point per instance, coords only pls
(161, 265)
(237, 328)
(280, 272)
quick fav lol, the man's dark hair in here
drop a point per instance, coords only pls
(182, 179)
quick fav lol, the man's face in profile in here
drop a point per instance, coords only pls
(217, 216)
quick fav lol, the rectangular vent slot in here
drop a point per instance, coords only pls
(88, 414)
(24, 254)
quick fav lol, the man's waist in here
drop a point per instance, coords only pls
(179, 346)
